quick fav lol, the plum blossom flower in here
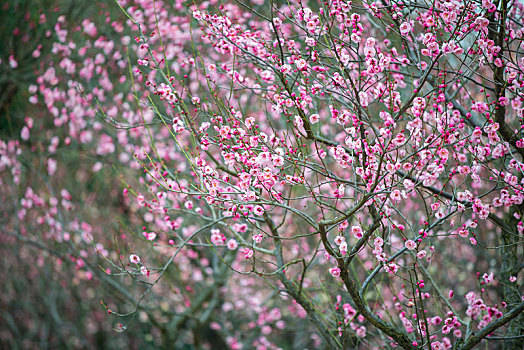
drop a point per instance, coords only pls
(396, 195)
(314, 118)
(12, 62)
(443, 153)
(488, 278)
(135, 259)
(410, 244)
(463, 233)
(405, 28)
(24, 135)
(357, 231)
(286, 68)
(339, 240)
(277, 160)
(277, 22)
(150, 235)
(310, 42)
(408, 184)
(258, 210)
(51, 166)
(197, 15)
(335, 272)
(248, 253)
(370, 42)
(311, 26)
(363, 98)
(343, 248)
(232, 244)
(298, 121)
(391, 267)
(224, 131)
(361, 331)
(217, 238)
(301, 63)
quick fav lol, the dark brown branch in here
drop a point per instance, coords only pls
(398, 336)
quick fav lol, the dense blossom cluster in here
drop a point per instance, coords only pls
(324, 160)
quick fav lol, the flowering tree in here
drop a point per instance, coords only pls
(323, 159)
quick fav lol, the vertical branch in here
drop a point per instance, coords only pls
(400, 337)
(510, 267)
(510, 238)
